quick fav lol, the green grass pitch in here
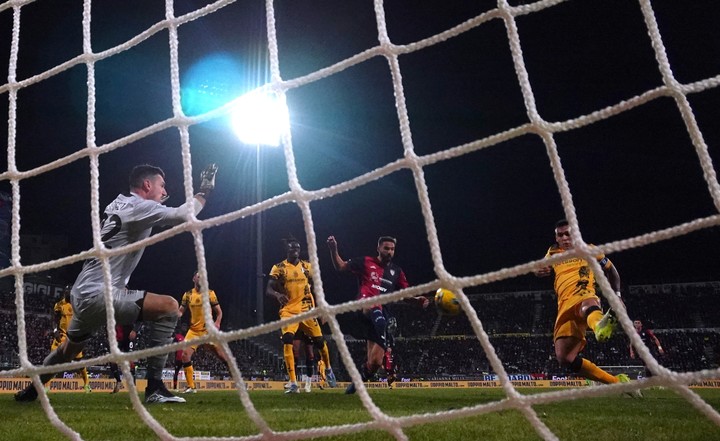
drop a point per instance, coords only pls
(661, 416)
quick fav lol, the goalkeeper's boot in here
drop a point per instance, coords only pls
(350, 389)
(161, 395)
(27, 394)
(606, 326)
(331, 381)
(116, 388)
(308, 384)
(623, 378)
(87, 388)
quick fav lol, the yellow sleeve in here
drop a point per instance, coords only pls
(275, 272)
(213, 298)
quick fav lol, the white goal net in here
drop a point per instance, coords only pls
(469, 129)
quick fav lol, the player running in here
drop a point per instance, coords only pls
(650, 340)
(376, 276)
(192, 300)
(579, 308)
(63, 313)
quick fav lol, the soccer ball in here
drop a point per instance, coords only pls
(446, 302)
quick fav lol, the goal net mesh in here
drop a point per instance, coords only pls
(507, 14)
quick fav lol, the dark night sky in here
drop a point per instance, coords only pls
(630, 174)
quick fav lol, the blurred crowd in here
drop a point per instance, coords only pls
(428, 345)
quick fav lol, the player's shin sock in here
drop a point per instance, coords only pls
(84, 373)
(160, 334)
(290, 362)
(379, 323)
(389, 367)
(366, 373)
(590, 371)
(115, 371)
(189, 374)
(325, 355)
(594, 314)
(175, 376)
(312, 369)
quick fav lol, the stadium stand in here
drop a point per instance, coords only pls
(683, 316)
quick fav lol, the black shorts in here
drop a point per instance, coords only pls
(363, 329)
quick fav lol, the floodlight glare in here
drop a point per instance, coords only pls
(210, 83)
(260, 118)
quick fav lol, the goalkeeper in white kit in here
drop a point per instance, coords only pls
(128, 219)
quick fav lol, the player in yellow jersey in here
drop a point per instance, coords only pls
(63, 313)
(192, 300)
(579, 307)
(291, 285)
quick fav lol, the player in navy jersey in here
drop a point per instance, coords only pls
(130, 218)
(650, 340)
(376, 276)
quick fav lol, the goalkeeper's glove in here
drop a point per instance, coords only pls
(207, 179)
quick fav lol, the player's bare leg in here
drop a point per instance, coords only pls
(375, 354)
(567, 350)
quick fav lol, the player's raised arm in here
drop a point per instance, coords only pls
(338, 262)
(207, 183)
(149, 184)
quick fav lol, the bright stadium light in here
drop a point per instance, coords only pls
(260, 118)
